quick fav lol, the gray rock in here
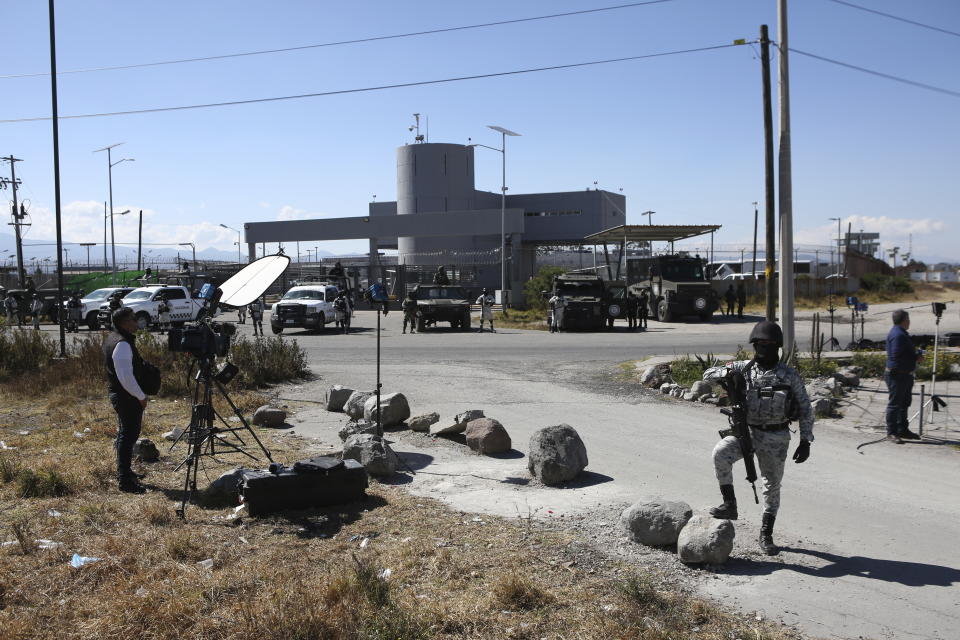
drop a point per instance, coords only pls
(556, 454)
(655, 521)
(394, 409)
(705, 539)
(705, 397)
(677, 392)
(353, 407)
(486, 436)
(691, 396)
(226, 488)
(822, 406)
(715, 401)
(359, 426)
(423, 422)
(337, 396)
(146, 450)
(666, 387)
(374, 454)
(701, 387)
(267, 416)
(173, 435)
(650, 377)
(459, 422)
(954, 370)
(848, 377)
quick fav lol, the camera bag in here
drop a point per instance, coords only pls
(289, 489)
(320, 464)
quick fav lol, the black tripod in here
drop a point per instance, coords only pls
(204, 437)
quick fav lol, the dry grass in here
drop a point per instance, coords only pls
(297, 575)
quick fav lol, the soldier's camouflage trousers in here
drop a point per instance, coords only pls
(771, 449)
(412, 319)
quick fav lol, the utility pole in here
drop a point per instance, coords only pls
(55, 121)
(756, 215)
(770, 250)
(105, 263)
(786, 188)
(17, 214)
(139, 239)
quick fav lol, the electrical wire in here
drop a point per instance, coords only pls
(914, 83)
(376, 88)
(893, 17)
(342, 42)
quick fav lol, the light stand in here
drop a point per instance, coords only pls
(379, 423)
(934, 400)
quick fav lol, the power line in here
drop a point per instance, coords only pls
(343, 42)
(914, 83)
(893, 17)
(377, 88)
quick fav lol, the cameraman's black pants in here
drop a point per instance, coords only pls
(130, 417)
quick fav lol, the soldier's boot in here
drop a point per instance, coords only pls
(766, 535)
(727, 510)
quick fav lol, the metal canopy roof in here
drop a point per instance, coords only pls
(650, 232)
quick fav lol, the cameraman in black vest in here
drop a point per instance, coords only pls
(123, 364)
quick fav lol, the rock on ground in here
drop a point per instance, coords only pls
(556, 454)
(667, 387)
(353, 407)
(847, 377)
(691, 396)
(173, 435)
(486, 436)
(226, 488)
(359, 426)
(423, 422)
(705, 539)
(460, 422)
(655, 521)
(394, 409)
(822, 407)
(146, 450)
(337, 396)
(701, 388)
(374, 454)
(267, 416)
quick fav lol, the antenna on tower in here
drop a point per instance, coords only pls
(416, 127)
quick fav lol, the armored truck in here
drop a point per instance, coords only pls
(436, 303)
(676, 286)
(590, 301)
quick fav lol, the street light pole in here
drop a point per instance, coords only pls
(88, 245)
(503, 207)
(110, 165)
(239, 238)
(193, 248)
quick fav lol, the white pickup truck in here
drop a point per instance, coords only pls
(144, 302)
(306, 306)
(90, 305)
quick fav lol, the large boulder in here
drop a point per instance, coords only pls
(267, 416)
(847, 377)
(654, 521)
(705, 539)
(822, 406)
(701, 388)
(423, 422)
(556, 454)
(486, 436)
(337, 396)
(691, 396)
(353, 407)
(394, 409)
(459, 422)
(359, 426)
(146, 450)
(373, 453)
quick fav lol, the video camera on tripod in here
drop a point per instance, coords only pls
(206, 340)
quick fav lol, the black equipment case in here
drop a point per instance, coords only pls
(318, 482)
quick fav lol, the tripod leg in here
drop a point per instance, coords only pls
(243, 420)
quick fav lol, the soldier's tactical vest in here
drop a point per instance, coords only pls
(770, 398)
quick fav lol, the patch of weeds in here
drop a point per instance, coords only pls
(871, 364)
(816, 367)
(639, 591)
(24, 535)
(519, 593)
(685, 371)
(183, 548)
(8, 470)
(367, 580)
(45, 483)
(156, 513)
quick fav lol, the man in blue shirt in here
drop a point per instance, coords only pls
(902, 359)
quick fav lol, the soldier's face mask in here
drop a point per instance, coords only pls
(767, 353)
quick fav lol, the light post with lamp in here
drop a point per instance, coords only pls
(239, 236)
(503, 205)
(110, 166)
(88, 245)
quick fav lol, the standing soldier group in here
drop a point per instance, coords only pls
(486, 302)
(341, 307)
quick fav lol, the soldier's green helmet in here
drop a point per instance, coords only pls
(766, 330)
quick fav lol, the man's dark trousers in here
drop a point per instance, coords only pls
(130, 416)
(900, 387)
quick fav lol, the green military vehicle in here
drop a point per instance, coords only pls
(591, 302)
(676, 286)
(441, 303)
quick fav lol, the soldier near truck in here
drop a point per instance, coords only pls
(409, 307)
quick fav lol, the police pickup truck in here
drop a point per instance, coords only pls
(305, 306)
(145, 300)
(91, 302)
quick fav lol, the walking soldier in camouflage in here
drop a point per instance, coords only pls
(775, 396)
(410, 312)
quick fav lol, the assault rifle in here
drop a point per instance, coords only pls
(736, 387)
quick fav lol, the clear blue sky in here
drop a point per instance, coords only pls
(681, 135)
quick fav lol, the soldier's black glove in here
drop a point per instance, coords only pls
(802, 452)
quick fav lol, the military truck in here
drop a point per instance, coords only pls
(436, 303)
(591, 302)
(676, 286)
